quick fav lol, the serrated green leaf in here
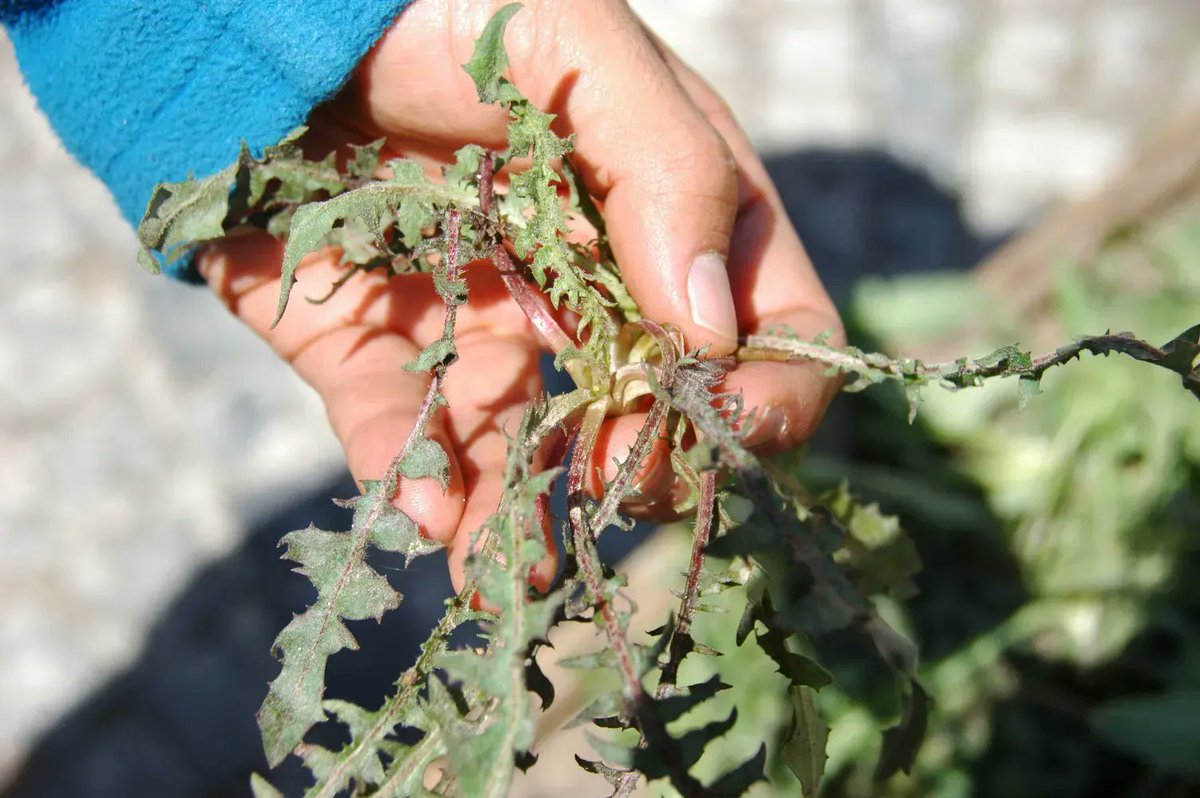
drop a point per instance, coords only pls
(489, 62)
(465, 169)
(181, 215)
(293, 703)
(365, 162)
(356, 719)
(441, 352)
(347, 589)
(804, 748)
(542, 236)
(292, 178)
(414, 212)
(408, 200)
(324, 764)
(451, 291)
(409, 764)
(1004, 354)
(799, 669)
(358, 244)
(427, 458)
(395, 531)
(333, 563)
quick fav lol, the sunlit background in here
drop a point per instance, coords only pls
(143, 434)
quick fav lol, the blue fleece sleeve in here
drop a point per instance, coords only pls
(147, 91)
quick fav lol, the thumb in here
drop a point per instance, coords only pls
(666, 177)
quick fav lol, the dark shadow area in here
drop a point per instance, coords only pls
(179, 723)
(862, 212)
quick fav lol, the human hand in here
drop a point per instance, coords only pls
(698, 229)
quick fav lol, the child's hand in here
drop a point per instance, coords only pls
(698, 230)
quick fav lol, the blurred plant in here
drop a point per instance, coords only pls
(809, 575)
(1085, 678)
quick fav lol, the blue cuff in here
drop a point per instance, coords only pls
(148, 92)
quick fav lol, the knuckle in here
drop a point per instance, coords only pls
(702, 166)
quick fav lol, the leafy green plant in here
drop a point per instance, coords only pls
(1059, 618)
(804, 568)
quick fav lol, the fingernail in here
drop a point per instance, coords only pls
(710, 297)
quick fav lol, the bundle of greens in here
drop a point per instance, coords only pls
(803, 565)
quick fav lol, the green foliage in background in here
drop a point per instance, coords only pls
(1060, 608)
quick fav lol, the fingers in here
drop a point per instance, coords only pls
(373, 406)
(505, 370)
(774, 285)
(656, 487)
(666, 178)
(771, 272)
(352, 351)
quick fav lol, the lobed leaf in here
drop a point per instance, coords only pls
(804, 747)
(498, 729)
(181, 216)
(489, 61)
(409, 201)
(347, 589)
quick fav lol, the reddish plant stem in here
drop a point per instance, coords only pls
(622, 483)
(624, 787)
(391, 478)
(585, 444)
(527, 298)
(702, 533)
(681, 644)
(652, 728)
(487, 183)
(650, 431)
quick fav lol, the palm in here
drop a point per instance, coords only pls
(351, 348)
